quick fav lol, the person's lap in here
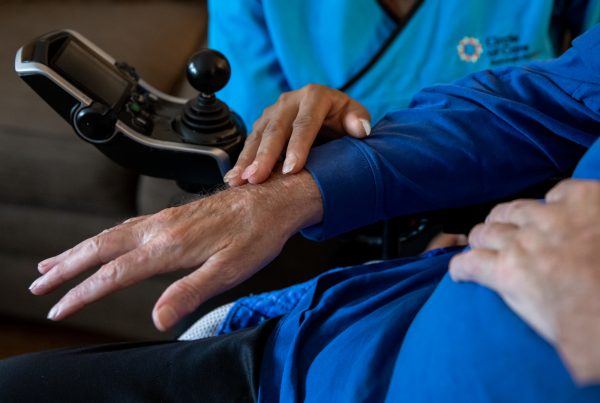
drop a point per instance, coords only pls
(397, 332)
(467, 343)
(388, 329)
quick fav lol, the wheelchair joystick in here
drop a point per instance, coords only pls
(194, 142)
(206, 120)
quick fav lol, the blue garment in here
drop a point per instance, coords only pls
(589, 166)
(467, 339)
(255, 309)
(482, 138)
(275, 54)
(389, 331)
(276, 46)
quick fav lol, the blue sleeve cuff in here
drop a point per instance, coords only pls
(345, 176)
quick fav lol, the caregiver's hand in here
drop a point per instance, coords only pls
(224, 238)
(294, 121)
(544, 261)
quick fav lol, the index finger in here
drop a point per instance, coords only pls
(273, 140)
(313, 110)
(248, 153)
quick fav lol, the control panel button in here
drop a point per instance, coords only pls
(134, 107)
(141, 123)
(95, 123)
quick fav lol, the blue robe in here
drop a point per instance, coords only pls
(402, 330)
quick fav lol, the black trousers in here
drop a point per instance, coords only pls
(217, 369)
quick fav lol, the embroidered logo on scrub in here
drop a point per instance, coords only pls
(508, 49)
(499, 49)
(469, 49)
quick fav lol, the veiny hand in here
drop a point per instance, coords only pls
(225, 237)
(295, 120)
(544, 261)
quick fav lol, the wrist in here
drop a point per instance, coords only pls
(293, 201)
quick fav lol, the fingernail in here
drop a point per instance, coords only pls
(35, 284)
(166, 317)
(43, 265)
(289, 164)
(366, 125)
(231, 174)
(54, 312)
(250, 170)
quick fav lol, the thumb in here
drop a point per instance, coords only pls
(356, 120)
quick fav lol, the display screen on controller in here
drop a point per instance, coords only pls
(194, 142)
(94, 76)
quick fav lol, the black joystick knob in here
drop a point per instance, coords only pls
(208, 71)
(205, 120)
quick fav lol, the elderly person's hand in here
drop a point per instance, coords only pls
(544, 261)
(224, 239)
(294, 122)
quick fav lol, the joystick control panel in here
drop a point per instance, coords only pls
(194, 142)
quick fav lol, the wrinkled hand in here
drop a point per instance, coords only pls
(294, 121)
(225, 237)
(544, 261)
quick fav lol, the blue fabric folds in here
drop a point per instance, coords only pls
(402, 330)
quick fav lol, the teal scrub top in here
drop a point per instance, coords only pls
(277, 46)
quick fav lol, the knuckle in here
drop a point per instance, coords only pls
(166, 215)
(100, 245)
(111, 274)
(130, 220)
(497, 212)
(273, 129)
(564, 184)
(475, 234)
(267, 112)
(304, 121)
(96, 243)
(515, 206)
(313, 88)
(256, 127)
(523, 209)
(285, 97)
(228, 278)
